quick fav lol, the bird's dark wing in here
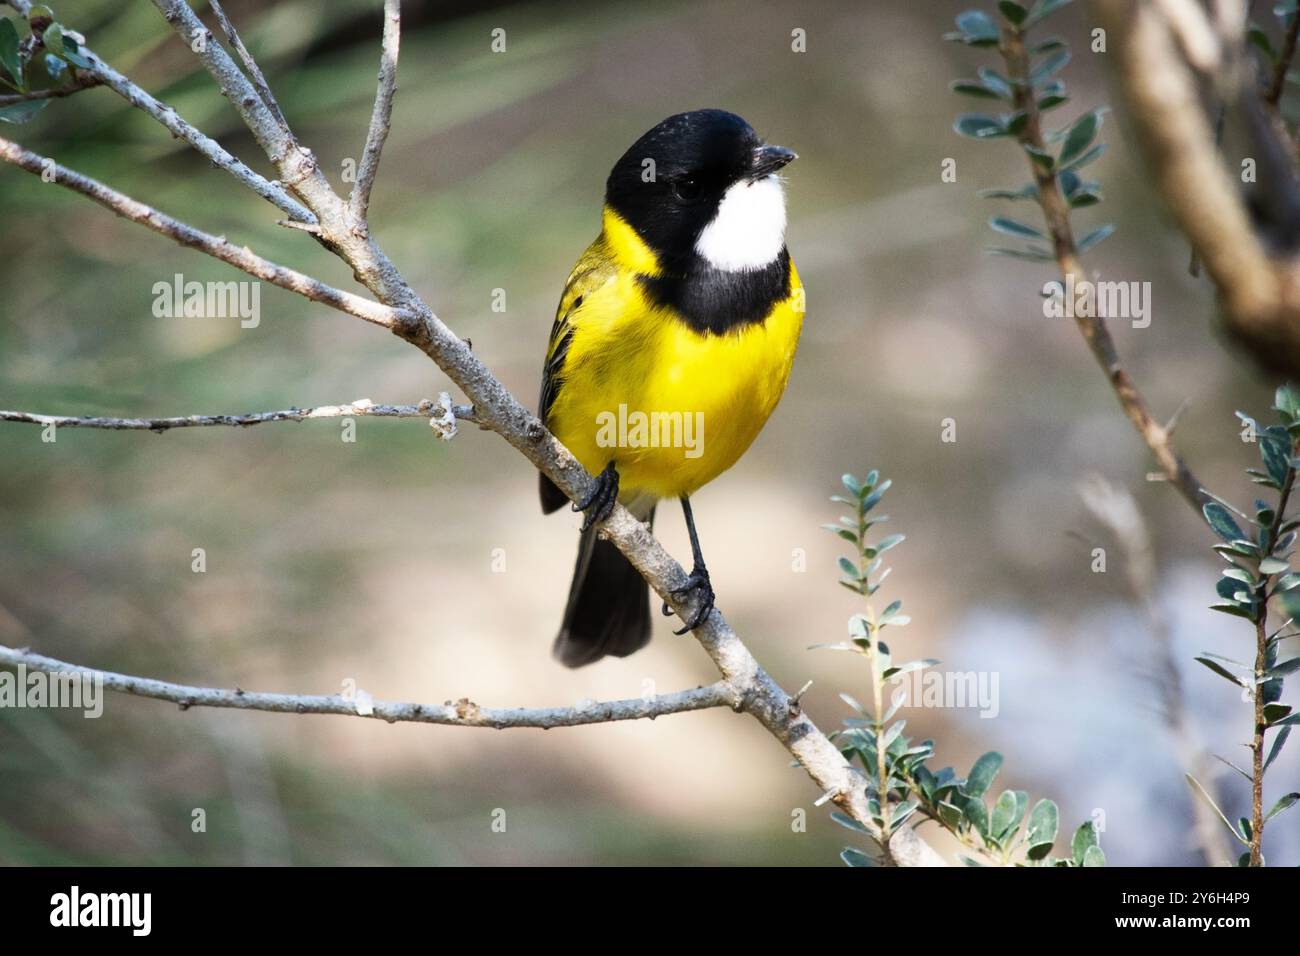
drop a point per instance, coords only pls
(594, 270)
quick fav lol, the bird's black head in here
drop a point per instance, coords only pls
(702, 184)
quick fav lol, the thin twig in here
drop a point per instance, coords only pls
(82, 82)
(1118, 511)
(250, 64)
(382, 115)
(1273, 95)
(216, 246)
(174, 123)
(362, 407)
(1093, 328)
(461, 713)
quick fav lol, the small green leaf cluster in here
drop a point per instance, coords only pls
(1257, 550)
(36, 53)
(1030, 88)
(901, 789)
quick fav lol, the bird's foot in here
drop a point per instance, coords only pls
(698, 581)
(600, 501)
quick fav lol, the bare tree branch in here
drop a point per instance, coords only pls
(216, 246)
(254, 71)
(442, 413)
(461, 713)
(1116, 509)
(1258, 281)
(381, 117)
(177, 126)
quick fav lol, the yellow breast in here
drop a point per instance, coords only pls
(672, 407)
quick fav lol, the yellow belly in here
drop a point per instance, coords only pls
(671, 407)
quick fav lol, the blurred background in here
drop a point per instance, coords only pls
(424, 571)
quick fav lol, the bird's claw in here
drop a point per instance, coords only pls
(599, 502)
(697, 581)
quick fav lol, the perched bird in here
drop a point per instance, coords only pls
(672, 344)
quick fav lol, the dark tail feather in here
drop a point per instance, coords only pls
(552, 497)
(609, 606)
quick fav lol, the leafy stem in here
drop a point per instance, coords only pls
(1260, 572)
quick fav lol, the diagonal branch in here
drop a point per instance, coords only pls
(442, 413)
(174, 123)
(1056, 212)
(381, 117)
(216, 246)
(254, 71)
(462, 713)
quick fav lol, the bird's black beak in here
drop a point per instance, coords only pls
(768, 159)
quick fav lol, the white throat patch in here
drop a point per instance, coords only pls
(748, 230)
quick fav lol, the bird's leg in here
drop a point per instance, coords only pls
(601, 499)
(698, 579)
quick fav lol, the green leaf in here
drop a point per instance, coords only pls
(1012, 227)
(1050, 65)
(995, 81)
(1287, 401)
(1222, 671)
(1080, 136)
(978, 28)
(1030, 253)
(1095, 237)
(20, 113)
(1040, 157)
(1236, 610)
(1222, 523)
(1084, 838)
(1027, 191)
(978, 814)
(1088, 194)
(72, 53)
(1043, 821)
(1005, 816)
(9, 58)
(1285, 802)
(854, 857)
(1014, 12)
(1043, 9)
(1054, 89)
(1088, 157)
(844, 820)
(1277, 746)
(1259, 39)
(978, 126)
(1094, 857)
(1276, 455)
(1273, 566)
(53, 38)
(891, 541)
(850, 569)
(973, 88)
(982, 774)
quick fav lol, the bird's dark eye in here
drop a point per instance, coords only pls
(686, 190)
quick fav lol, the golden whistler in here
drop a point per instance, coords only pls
(672, 345)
